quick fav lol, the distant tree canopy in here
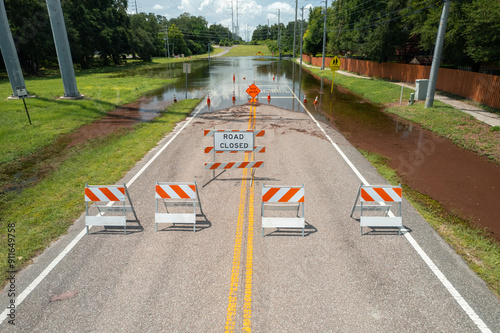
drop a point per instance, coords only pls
(102, 29)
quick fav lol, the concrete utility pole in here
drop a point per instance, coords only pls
(9, 53)
(62, 49)
(436, 59)
(168, 46)
(301, 36)
(279, 34)
(324, 35)
(232, 19)
(295, 26)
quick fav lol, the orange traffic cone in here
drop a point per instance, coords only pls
(316, 100)
(305, 98)
(208, 99)
(233, 78)
(269, 95)
(234, 98)
(273, 77)
(175, 99)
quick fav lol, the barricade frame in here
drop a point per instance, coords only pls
(283, 222)
(382, 205)
(177, 218)
(114, 220)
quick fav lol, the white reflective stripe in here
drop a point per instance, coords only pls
(297, 196)
(392, 193)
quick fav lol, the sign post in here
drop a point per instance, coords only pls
(23, 93)
(186, 68)
(334, 66)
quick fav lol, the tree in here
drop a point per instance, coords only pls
(313, 38)
(32, 34)
(482, 30)
(144, 31)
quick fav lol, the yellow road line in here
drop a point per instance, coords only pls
(247, 306)
(235, 271)
(247, 299)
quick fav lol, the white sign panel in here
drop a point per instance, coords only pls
(232, 141)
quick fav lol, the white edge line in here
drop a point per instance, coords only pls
(72, 244)
(441, 277)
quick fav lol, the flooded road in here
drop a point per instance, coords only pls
(463, 182)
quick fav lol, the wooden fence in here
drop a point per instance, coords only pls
(483, 88)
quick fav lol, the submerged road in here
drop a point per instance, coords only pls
(226, 276)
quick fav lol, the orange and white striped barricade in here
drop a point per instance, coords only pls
(176, 195)
(379, 200)
(280, 198)
(233, 141)
(110, 194)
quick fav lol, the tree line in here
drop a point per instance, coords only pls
(101, 32)
(399, 30)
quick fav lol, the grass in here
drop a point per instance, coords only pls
(52, 117)
(247, 50)
(475, 245)
(43, 212)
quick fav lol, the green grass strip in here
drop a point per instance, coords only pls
(52, 117)
(45, 211)
(247, 50)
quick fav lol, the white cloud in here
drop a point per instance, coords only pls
(158, 7)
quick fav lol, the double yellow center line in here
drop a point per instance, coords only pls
(238, 247)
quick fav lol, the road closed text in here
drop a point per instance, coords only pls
(233, 141)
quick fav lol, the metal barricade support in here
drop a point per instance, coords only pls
(108, 193)
(280, 198)
(379, 199)
(177, 195)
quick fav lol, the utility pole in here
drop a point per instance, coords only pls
(279, 34)
(301, 36)
(324, 35)
(9, 53)
(168, 46)
(135, 6)
(237, 21)
(295, 27)
(232, 18)
(436, 59)
(62, 49)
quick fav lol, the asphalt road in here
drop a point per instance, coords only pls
(227, 276)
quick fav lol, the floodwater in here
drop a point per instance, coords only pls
(463, 182)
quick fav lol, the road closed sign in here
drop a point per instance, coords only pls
(234, 141)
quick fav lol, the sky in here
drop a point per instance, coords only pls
(251, 13)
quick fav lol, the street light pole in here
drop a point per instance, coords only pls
(324, 35)
(295, 27)
(436, 59)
